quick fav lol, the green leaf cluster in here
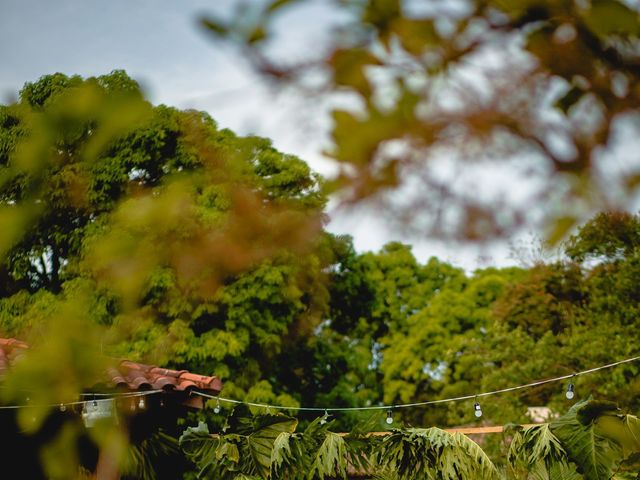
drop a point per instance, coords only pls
(592, 441)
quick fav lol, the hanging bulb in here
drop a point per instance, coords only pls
(268, 411)
(477, 409)
(63, 407)
(325, 418)
(141, 403)
(94, 403)
(570, 391)
(216, 409)
(389, 419)
(162, 402)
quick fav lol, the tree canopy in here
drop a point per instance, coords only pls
(152, 233)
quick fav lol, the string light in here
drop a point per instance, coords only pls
(569, 394)
(216, 409)
(419, 404)
(141, 403)
(120, 394)
(570, 390)
(477, 409)
(94, 402)
(389, 419)
(325, 418)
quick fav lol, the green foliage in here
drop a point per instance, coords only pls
(538, 451)
(597, 438)
(167, 239)
(402, 332)
(590, 442)
(608, 236)
(142, 461)
(266, 446)
(314, 453)
(433, 453)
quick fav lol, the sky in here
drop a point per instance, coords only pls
(160, 44)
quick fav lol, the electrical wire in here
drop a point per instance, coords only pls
(82, 402)
(418, 404)
(110, 396)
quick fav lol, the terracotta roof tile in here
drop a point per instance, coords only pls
(128, 375)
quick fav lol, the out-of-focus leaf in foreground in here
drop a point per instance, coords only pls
(121, 220)
(521, 111)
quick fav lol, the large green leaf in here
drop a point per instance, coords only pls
(281, 450)
(331, 458)
(248, 453)
(624, 429)
(199, 447)
(597, 455)
(611, 17)
(261, 441)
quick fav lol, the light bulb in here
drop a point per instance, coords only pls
(477, 410)
(570, 391)
(141, 403)
(324, 419)
(389, 419)
(216, 409)
(63, 407)
(94, 404)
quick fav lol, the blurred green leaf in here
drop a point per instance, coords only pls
(276, 5)
(416, 35)
(215, 26)
(612, 17)
(349, 69)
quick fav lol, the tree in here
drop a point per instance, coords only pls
(373, 299)
(150, 232)
(429, 359)
(609, 236)
(558, 319)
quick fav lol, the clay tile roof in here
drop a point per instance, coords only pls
(128, 375)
